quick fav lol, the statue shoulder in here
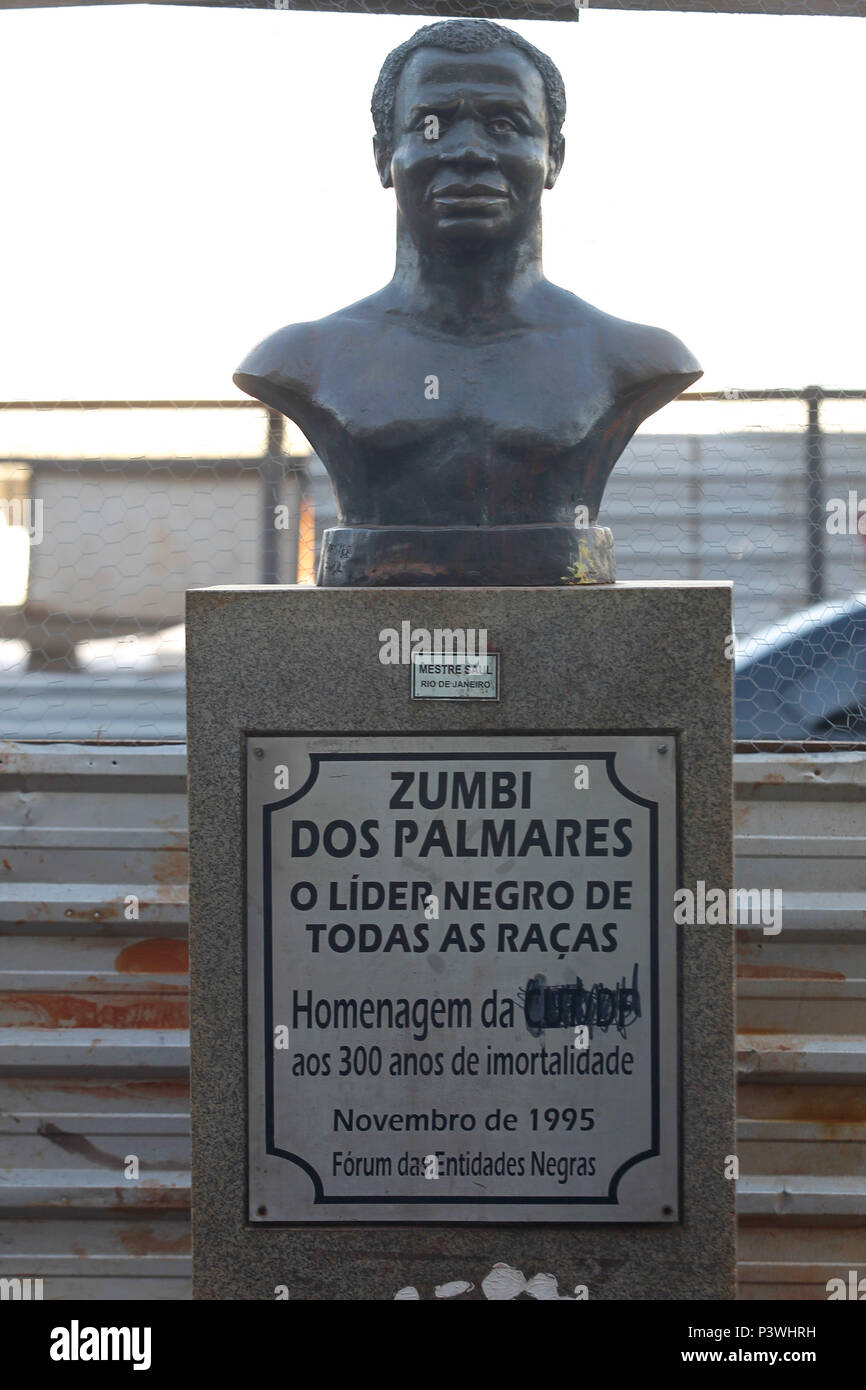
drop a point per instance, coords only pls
(647, 359)
(285, 363)
(286, 368)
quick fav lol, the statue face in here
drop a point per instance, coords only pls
(481, 176)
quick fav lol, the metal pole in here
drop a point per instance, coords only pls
(815, 513)
(272, 473)
(695, 499)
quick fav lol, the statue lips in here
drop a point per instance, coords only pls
(469, 197)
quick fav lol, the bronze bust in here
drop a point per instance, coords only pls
(469, 412)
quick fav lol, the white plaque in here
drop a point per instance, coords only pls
(462, 979)
(443, 678)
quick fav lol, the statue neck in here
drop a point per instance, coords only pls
(461, 289)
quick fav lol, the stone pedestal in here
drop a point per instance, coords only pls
(630, 681)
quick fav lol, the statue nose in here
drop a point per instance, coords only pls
(467, 143)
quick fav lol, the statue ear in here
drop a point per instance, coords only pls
(557, 158)
(383, 162)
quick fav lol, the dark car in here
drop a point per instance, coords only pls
(805, 677)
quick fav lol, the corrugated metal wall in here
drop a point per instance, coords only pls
(93, 1047)
(801, 827)
(93, 1017)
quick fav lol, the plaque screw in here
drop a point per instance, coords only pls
(662, 748)
(258, 752)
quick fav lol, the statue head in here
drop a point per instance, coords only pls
(468, 118)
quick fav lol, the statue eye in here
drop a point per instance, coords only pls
(501, 125)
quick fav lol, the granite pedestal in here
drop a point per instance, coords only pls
(643, 659)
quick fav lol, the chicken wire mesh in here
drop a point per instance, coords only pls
(113, 509)
(100, 547)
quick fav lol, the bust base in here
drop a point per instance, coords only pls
(364, 557)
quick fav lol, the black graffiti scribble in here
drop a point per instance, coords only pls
(567, 1006)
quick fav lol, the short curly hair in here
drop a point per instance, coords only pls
(464, 36)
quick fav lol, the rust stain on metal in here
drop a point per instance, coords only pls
(146, 1242)
(159, 955)
(175, 1088)
(127, 1090)
(142, 1195)
(179, 833)
(836, 1107)
(172, 866)
(840, 1133)
(7, 865)
(785, 972)
(160, 894)
(89, 1011)
(16, 760)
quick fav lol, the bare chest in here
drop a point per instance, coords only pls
(532, 391)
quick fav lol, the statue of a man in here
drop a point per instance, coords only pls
(470, 411)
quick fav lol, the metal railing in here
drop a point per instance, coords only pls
(272, 464)
(812, 396)
(666, 530)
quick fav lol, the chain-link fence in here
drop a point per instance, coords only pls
(100, 546)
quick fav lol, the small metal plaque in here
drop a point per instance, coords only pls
(462, 978)
(443, 678)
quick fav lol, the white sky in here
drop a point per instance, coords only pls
(179, 182)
